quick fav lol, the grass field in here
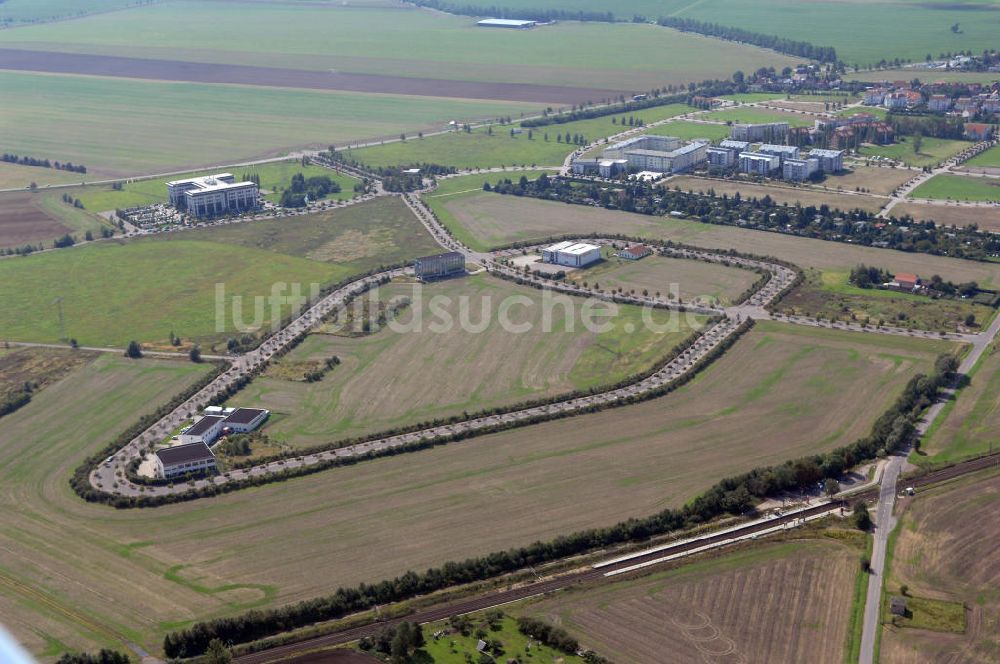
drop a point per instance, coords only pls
(117, 291)
(958, 187)
(274, 177)
(927, 76)
(987, 218)
(779, 393)
(430, 368)
(755, 115)
(31, 11)
(878, 180)
(452, 647)
(971, 424)
(941, 553)
(493, 219)
(857, 27)
(352, 39)
(691, 130)
(104, 123)
(480, 149)
(829, 295)
(987, 159)
(13, 176)
(783, 193)
(752, 605)
(39, 367)
(933, 151)
(684, 278)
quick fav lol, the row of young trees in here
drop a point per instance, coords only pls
(734, 495)
(21, 160)
(524, 14)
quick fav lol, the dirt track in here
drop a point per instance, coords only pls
(175, 70)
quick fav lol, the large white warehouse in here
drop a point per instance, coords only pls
(571, 254)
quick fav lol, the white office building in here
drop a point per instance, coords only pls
(571, 254)
(645, 142)
(213, 195)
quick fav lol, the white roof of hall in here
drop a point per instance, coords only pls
(506, 22)
(202, 180)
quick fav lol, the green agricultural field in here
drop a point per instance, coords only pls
(274, 177)
(430, 365)
(830, 296)
(933, 151)
(494, 220)
(691, 130)
(352, 39)
(925, 75)
(117, 291)
(752, 97)
(758, 115)
(970, 425)
(31, 11)
(988, 159)
(494, 146)
(13, 176)
(779, 393)
(959, 187)
(105, 123)
(857, 28)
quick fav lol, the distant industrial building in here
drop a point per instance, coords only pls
(782, 152)
(758, 163)
(606, 168)
(830, 161)
(439, 265)
(571, 254)
(770, 132)
(183, 459)
(798, 170)
(506, 23)
(655, 143)
(213, 195)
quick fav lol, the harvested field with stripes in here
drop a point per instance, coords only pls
(783, 603)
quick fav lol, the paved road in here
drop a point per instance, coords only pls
(885, 522)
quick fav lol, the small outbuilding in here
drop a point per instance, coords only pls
(635, 252)
(897, 606)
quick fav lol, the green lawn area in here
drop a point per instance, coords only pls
(757, 115)
(909, 75)
(958, 187)
(751, 97)
(117, 291)
(541, 146)
(30, 11)
(858, 29)
(690, 130)
(987, 159)
(130, 127)
(320, 36)
(932, 151)
(274, 177)
(489, 365)
(454, 648)
(877, 111)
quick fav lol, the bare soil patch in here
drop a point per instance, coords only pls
(988, 218)
(23, 221)
(175, 70)
(786, 194)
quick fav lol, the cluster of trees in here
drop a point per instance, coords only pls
(42, 163)
(855, 226)
(524, 14)
(553, 637)
(317, 374)
(800, 49)
(105, 656)
(75, 202)
(66, 240)
(397, 642)
(16, 398)
(240, 444)
(303, 189)
(252, 177)
(865, 276)
(938, 126)
(654, 99)
(734, 495)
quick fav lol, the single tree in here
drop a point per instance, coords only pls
(133, 350)
(195, 354)
(831, 486)
(862, 520)
(217, 653)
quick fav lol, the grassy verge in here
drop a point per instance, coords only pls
(852, 649)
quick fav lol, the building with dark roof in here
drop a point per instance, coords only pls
(243, 420)
(205, 430)
(439, 265)
(185, 459)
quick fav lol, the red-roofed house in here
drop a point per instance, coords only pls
(907, 281)
(635, 252)
(978, 131)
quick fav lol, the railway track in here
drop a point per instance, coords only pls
(499, 598)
